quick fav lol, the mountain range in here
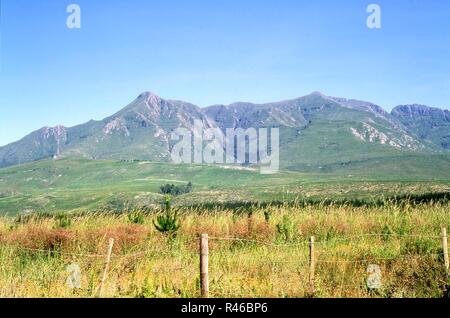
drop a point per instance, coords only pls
(317, 132)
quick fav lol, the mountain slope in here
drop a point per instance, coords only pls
(44, 143)
(316, 131)
(141, 130)
(428, 123)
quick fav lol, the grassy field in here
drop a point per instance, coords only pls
(67, 185)
(63, 212)
(257, 252)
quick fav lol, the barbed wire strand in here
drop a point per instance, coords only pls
(320, 241)
(140, 253)
(379, 258)
(56, 252)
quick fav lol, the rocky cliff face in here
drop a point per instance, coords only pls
(427, 123)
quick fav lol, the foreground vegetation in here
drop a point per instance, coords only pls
(254, 252)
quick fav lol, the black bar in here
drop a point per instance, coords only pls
(226, 307)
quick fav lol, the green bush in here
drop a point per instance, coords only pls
(386, 232)
(267, 215)
(286, 229)
(420, 246)
(175, 189)
(167, 222)
(136, 217)
(62, 221)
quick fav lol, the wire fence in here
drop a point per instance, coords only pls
(313, 259)
(312, 256)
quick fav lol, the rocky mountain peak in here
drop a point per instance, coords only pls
(147, 94)
(418, 109)
(318, 93)
(150, 99)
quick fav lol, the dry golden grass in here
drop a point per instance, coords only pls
(250, 255)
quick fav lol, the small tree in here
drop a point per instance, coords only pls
(167, 222)
(62, 221)
(136, 217)
(267, 215)
(286, 229)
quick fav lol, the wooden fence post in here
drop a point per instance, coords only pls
(204, 279)
(445, 249)
(105, 271)
(312, 266)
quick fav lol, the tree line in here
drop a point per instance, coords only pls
(176, 189)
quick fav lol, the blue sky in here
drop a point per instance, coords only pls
(214, 51)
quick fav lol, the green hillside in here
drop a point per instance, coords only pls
(63, 185)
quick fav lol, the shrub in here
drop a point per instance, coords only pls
(386, 232)
(136, 217)
(419, 277)
(115, 205)
(175, 189)
(62, 221)
(286, 229)
(419, 246)
(168, 222)
(267, 215)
